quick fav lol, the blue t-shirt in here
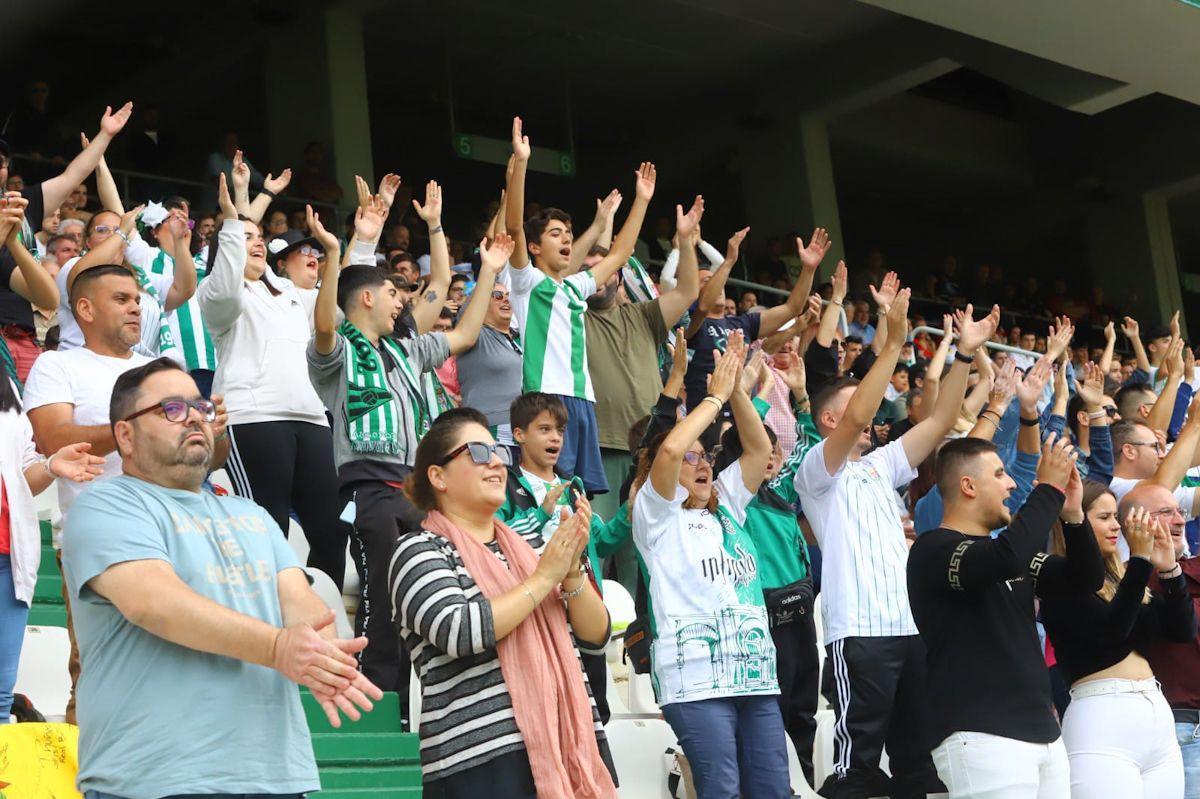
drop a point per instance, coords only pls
(157, 719)
(712, 335)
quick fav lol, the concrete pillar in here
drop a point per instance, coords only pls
(788, 184)
(1168, 293)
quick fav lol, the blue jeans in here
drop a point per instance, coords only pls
(1188, 736)
(580, 453)
(13, 615)
(100, 795)
(735, 745)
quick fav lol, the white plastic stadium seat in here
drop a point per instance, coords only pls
(42, 673)
(620, 606)
(323, 584)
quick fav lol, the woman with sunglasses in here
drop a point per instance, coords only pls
(281, 448)
(713, 658)
(490, 372)
(488, 616)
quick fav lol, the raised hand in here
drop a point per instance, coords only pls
(431, 211)
(1029, 390)
(841, 283)
(687, 225)
(987, 370)
(76, 462)
(222, 421)
(735, 244)
(277, 185)
(114, 121)
(1072, 509)
(679, 354)
(886, 292)
(329, 242)
(1110, 334)
(811, 315)
(1163, 554)
(389, 184)
(1189, 365)
(608, 206)
(241, 174)
(751, 372)
(1173, 325)
(647, 175)
(1139, 529)
(494, 258)
(1091, 389)
(794, 376)
(1004, 386)
(812, 254)
(897, 319)
(1060, 378)
(228, 210)
(551, 500)
(129, 218)
(1130, 327)
(1057, 463)
(973, 334)
(727, 369)
(1061, 334)
(369, 219)
(1172, 364)
(520, 142)
(12, 214)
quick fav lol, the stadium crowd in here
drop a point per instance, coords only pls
(1001, 538)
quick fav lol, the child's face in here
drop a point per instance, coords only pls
(900, 381)
(541, 441)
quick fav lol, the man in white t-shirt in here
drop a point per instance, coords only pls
(849, 496)
(68, 391)
(549, 305)
(1139, 457)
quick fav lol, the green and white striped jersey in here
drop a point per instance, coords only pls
(550, 317)
(192, 346)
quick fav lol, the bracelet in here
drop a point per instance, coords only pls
(123, 235)
(1028, 422)
(529, 594)
(1175, 572)
(962, 357)
(838, 303)
(49, 461)
(1098, 415)
(435, 231)
(269, 193)
(720, 405)
(569, 595)
(985, 418)
(993, 413)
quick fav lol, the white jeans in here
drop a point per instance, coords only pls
(1120, 737)
(975, 765)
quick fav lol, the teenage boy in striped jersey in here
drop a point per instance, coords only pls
(549, 304)
(371, 382)
(849, 495)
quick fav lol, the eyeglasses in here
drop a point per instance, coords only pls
(499, 295)
(307, 250)
(176, 410)
(1156, 444)
(481, 453)
(1111, 410)
(694, 458)
(104, 230)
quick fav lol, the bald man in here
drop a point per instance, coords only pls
(1177, 666)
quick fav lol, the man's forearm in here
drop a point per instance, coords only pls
(1159, 417)
(514, 213)
(866, 398)
(52, 438)
(106, 187)
(713, 288)
(1174, 466)
(57, 188)
(950, 397)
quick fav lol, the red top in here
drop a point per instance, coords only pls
(1177, 666)
(5, 522)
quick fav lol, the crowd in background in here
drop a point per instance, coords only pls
(1001, 537)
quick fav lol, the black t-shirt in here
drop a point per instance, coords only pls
(15, 309)
(712, 335)
(972, 598)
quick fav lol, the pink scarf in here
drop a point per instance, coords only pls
(541, 670)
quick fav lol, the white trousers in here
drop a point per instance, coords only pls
(976, 765)
(1120, 738)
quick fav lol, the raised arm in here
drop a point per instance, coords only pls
(1171, 368)
(272, 187)
(1174, 466)
(756, 446)
(514, 214)
(715, 286)
(106, 185)
(1132, 331)
(674, 303)
(864, 403)
(921, 440)
(325, 311)
(220, 295)
(1110, 343)
(937, 365)
(493, 259)
(599, 232)
(999, 398)
(178, 243)
(626, 240)
(30, 280)
(109, 251)
(811, 256)
(833, 311)
(664, 473)
(56, 189)
(426, 310)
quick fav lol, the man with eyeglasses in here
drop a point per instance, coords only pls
(16, 316)
(165, 575)
(1142, 459)
(371, 382)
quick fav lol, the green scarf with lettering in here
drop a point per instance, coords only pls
(372, 415)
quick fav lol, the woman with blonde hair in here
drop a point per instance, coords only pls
(489, 617)
(1118, 730)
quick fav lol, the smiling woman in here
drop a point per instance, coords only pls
(487, 612)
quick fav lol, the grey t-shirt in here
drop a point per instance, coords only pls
(328, 375)
(145, 702)
(490, 374)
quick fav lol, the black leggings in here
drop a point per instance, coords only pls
(285, 466)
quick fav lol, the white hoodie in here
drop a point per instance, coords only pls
(260, 338)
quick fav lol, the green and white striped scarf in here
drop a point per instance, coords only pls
(372, 415)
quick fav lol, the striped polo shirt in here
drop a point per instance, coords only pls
(549, 314)
(855, 515)
(467, 715)
(191, 346)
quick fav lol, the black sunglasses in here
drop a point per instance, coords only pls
(176, 410)
(481, 453)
